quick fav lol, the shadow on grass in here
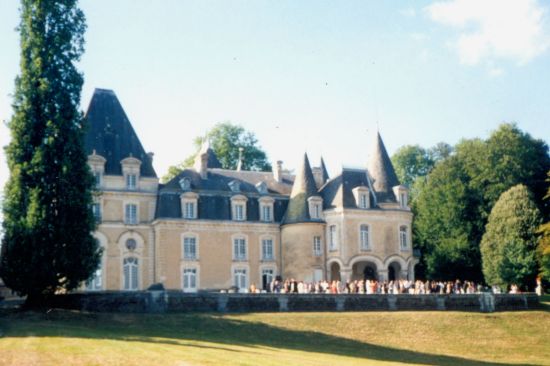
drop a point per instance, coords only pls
(182, 329)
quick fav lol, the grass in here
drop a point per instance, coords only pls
(372, 338)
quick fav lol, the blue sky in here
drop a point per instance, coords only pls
(315, 76)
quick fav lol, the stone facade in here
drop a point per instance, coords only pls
(213, 228)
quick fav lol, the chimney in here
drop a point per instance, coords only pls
(278, 171)
(201, 160)
(318, 176)
(240, 163)
(151, 154)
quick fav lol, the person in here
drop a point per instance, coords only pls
(538, 289)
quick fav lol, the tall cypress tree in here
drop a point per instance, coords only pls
(47, 245)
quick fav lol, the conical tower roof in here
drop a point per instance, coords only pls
(381, 171)
(303, 188)
(112, 136)
(324, 171)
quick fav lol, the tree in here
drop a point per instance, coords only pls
(509, 242)
(47, 244)
(544, 244)
(225, 140)
(453, 205)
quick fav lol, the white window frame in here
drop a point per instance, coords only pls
(364, 238)
(315, 205)
(238, 208)
(189, 209)
(362, 197)
(239, 248)
(128, 218)
(195, 270)
(333, 237)
(317, 246)
(403, 199)
(242, 282)
(188, 237)
(96, 282)
(131, 181)
(266, 270)
(403, 237)
(130, 279)
(263, 245)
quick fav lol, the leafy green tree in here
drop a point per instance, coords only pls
(453, 205)
(47, 244)
(443, 227)
(225, 140)
(509, 244)
(544, 244)
(411, 162)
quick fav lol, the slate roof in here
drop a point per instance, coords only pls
(338, 192)
(381, 172)
(303, 188)
(215, 194)
(112, 136)
(324, 171)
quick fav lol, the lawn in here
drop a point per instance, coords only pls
(373, 338)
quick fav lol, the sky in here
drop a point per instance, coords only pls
(315, 76)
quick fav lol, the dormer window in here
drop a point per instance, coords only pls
(97, 166)
(362, 198)
(315, 207)
(238, 208)
(185, 184)
(131, 181)
(402, 196)
(130, 170)
(266, 209)
(189, 203)
(261, 188)
(235, 186)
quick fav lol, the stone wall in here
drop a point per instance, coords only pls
(175, 301)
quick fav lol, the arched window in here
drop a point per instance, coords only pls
(95, 283)
(403, 240)
(190, 280)
(364, 237)
(240, 279)
(131, 267)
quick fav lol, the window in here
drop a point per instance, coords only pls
(95, 283)
(131, 181)
(239, 212)
(266, 213)
(130, 274)
(403, 240)
(189, 210)
(96, 210)
(315, 207)
(403, 199)
(333, 242)
(238, 207)
(317, 275)
(189, 279)
(364, 237)
(267, 249)
(240, 278)
(97, 179)
(268, 275)
(131, 244)
(363, 200)
(131, 214)
(239, 249)
(189, 247)
(317, 246)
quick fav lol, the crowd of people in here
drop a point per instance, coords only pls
(371, 287)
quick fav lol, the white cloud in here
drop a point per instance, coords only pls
(494, 29)
(419, 37)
